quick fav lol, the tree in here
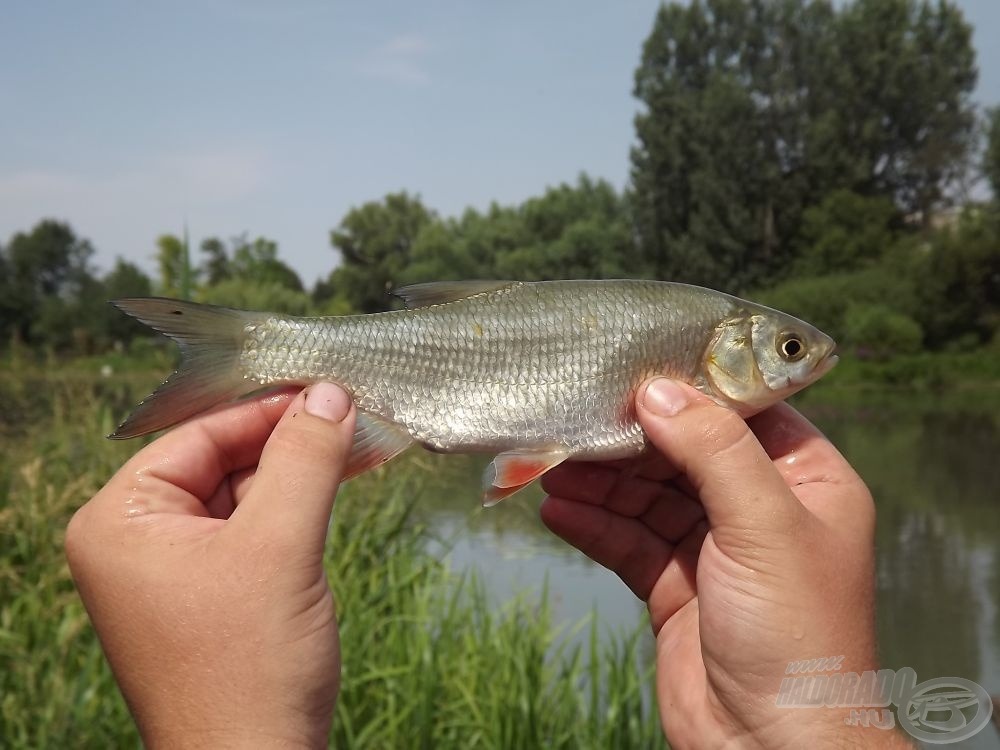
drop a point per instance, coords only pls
(176, 274)
(991, 158)
(123, 280)
(253, 261)
(573, 231)
(845, 232)
(267, 296)
(258, 261)
(908, 70)
(46, 270)
(753, 112)
(375, 243)
(960, 281)
(721, 170)
(216, 266)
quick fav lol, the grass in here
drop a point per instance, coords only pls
(429, 660)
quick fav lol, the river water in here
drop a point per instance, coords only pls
(935, 475)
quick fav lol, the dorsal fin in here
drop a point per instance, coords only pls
(439, 292)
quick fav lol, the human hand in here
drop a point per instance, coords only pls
(200, 564)
(752, 547)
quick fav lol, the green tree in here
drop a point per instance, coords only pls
(45, 273)
(824, 300)
(258, 261)
(266, 296)
(905, 77)
(991, 157)
(845, 232)
(753, 112)
(721, 167)
(375, 242)
(216, 265)
(247, 260)
(877, 331)
(959, 282)
(174, 263)
(466, 248)
(573, 231)
(123, 280)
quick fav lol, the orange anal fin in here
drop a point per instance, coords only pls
(375, 442)
(513, 470)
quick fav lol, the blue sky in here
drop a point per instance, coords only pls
(128, 120)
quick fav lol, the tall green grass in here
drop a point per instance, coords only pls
(429, 660)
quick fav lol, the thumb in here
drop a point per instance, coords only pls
(745, 497)
(300, 470)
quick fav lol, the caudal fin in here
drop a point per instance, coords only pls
(210, 339)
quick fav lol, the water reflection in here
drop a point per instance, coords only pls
(934, 473)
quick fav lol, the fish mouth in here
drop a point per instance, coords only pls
(826, 362)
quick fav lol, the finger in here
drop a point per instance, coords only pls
(291, 496)
(198, 455)
(676, 586)
(229, 493)
(650, 464)
(664, 509)
(621, 544)
(674, 515)
(726, 465)
(811, 465)
(800, 451)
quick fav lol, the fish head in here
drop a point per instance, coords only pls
(762, 356)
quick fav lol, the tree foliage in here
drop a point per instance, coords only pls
(46, 271)
(571, 231)
(51, 295)
(753, 112)
(251, 261)
(174, 264)
(991, 158)
(375, 242)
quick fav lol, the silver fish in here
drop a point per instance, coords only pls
(538, 373)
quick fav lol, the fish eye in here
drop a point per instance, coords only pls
(791, 346)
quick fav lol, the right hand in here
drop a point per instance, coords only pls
(753, 546)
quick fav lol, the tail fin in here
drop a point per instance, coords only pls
(210, 339)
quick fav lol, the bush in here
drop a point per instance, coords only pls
(878, 332)
(824, 300)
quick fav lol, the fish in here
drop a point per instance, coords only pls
(536, 373)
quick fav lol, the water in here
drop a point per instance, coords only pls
(935, 475)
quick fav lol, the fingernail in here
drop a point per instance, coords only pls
(328, 401)
(664, 397)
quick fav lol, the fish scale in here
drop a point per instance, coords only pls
(537, 372)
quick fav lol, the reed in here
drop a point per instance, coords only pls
(430, 661)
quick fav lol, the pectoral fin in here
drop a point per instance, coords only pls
(375, 442)
(510, 471)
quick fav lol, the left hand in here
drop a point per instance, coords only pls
(201, 565)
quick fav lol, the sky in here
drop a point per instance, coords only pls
(229, 116)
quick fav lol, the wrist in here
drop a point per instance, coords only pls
(231, 739)
(826, 728)
(225, 730)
